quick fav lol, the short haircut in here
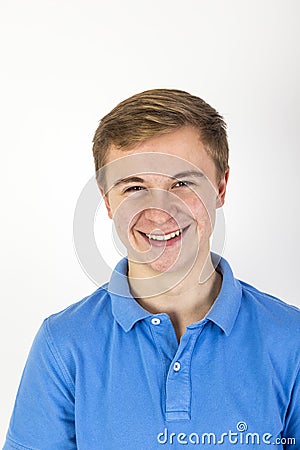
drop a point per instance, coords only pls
(159, 111)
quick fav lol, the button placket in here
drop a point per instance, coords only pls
(178, 384)
(164, 338)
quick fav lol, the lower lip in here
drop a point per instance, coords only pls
(167, 243)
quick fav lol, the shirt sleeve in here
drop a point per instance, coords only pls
(292, 429)
(43, 415)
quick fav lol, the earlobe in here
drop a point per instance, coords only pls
(106, 201)
(222, 190)
(108, 208)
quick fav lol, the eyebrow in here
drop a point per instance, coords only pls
(129, 180)
(135, 179)
(189, 173)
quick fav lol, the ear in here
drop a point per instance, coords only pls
(222, 190)
(106, 201)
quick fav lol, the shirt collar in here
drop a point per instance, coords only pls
(223, 313)
(125, 308)
(225, 309)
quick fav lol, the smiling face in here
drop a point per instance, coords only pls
(162, 196)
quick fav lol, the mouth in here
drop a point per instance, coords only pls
(164, 239)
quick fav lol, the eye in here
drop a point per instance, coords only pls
(133, 189)
(183, 184)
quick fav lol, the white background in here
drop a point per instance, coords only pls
(66, 63)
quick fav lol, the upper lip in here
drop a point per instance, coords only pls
(164, 233)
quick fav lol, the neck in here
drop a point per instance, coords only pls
(186, 301)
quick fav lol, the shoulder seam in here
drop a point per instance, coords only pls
(16, 445)
(255, 291)
(57, 358)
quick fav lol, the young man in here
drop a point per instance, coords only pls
(173, 350)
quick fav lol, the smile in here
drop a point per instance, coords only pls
(164, 237)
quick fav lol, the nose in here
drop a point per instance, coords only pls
(161, 208)
(157, 216)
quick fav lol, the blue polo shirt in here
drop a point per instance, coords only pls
(106, 374)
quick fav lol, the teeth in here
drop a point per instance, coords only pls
(164, 237)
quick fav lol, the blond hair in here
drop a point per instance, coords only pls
(159, 111)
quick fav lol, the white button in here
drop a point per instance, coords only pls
(177, 366)
(155, 321)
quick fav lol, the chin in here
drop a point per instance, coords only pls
(168, 266)
(161, 267)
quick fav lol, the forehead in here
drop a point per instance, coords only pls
(167, 154)
(184, 143)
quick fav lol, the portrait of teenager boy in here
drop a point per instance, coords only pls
(173, 350)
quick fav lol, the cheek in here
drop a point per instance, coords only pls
(202, 211)
(124, 214)
(122, 220)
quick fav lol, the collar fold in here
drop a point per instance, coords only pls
(127, 311)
